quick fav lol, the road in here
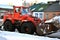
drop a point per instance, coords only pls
(55, 35)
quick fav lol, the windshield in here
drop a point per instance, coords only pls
(25, 11)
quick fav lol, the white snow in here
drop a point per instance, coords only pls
(49, 21)
(53, 19)
(4, 35)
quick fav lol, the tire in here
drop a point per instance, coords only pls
(8, 26)
(28, 28)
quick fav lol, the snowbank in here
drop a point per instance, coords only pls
(4, 35)
(53, 19)
(49, 21)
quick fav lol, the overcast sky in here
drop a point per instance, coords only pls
(19, 2)
(40, 0)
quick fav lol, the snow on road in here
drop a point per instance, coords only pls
(4, 35)
(55, 35)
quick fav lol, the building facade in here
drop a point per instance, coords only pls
(52, 10)
(38, 10)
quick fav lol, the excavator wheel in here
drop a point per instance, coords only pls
(8, 26)
(27, 27)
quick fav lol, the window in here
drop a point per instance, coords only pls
(36, 14)
(17, 10)
(41, 15)
(25, 11)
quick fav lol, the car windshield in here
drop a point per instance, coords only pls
(25, 11)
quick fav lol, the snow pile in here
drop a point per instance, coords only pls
(49, 21)
(4, 35)
(53, 19)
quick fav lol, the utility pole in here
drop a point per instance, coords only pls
(24, 2)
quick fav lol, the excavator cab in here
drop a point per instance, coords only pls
(22, 10)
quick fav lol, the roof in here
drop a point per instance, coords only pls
(6, 6)
(53, 8)
(38, 7)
